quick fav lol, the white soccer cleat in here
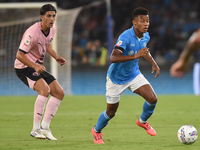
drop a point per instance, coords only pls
(47, 133)
(37, 134)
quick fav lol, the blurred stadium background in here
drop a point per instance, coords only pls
(172, 22)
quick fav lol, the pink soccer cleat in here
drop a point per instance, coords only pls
(97, 137)
(147, 127)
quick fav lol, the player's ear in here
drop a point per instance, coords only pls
(41, 17)
(134, 22)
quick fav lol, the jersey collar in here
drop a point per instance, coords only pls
(42, 30)
(133, 32)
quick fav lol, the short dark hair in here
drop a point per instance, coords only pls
(139, 11)
(47, 7)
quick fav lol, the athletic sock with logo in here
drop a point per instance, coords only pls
(38, 110)
(51, 109)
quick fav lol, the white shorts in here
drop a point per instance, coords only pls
(115, 91)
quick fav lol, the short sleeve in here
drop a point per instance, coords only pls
(26, 42)
(122, 42)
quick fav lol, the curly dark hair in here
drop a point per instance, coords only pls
(139, 11)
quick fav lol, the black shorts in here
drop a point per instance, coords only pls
(29, 76)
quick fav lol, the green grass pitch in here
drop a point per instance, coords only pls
(78, 114)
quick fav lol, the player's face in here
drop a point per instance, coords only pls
(141, 23)
(48, 19)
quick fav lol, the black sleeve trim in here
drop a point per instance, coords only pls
(23, 51)
(119, 48)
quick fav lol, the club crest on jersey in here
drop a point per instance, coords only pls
(119, 43)
(27, 42)
(36, 74)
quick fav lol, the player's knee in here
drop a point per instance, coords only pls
(153, 99)
(45, 91)
(61, 94)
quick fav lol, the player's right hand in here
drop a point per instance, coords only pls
(39, 68)
(142, 52)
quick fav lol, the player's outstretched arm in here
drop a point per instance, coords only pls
(180, 67)
(192, 46)
(155, 67)
(59, 59)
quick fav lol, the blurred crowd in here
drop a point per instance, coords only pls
(171, 23)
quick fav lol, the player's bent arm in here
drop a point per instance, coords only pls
(192, 46)
(21, 56)
(117, 57)
(150, 59)
(52, 52)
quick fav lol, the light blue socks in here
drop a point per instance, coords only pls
(102, 121)
(148, 110)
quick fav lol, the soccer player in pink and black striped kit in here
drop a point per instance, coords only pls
(29, 68)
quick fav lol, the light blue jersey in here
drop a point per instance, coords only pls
(129, 44)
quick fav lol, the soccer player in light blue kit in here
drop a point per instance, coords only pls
(124, 73)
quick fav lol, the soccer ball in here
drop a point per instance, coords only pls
(187, 134)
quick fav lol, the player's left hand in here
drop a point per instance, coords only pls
(157, 69)
(61, 60)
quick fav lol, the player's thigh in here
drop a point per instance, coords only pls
(142, 87)
(114, 91)
(56, 90)
(147, 92)
(28, 76)
(137, 82)
(42, 87)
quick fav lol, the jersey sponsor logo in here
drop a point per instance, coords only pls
(27, 42)
(119, 43)
(132, 44)
(132, 52)
(36, 74)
